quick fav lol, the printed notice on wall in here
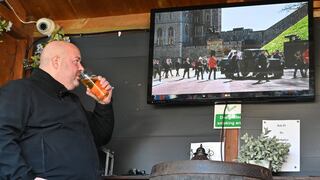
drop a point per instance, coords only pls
(227, 116)
(287, 131)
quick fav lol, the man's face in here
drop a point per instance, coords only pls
(70, 68)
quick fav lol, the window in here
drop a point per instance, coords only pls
(186, 30)
(170, 36)
(208, 17)
(159, 37)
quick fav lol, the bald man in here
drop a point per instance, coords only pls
(45, 133)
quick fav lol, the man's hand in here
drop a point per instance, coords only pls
(105, 85)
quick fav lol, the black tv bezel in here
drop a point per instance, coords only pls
(235, 97)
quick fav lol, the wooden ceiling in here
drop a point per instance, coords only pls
(77, 9)
(90, 16)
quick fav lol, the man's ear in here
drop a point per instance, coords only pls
(55, 62)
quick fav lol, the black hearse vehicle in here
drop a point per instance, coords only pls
(246, 64)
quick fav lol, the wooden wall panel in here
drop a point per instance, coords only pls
(11, 58)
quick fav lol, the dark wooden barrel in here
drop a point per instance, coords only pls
(208, 170)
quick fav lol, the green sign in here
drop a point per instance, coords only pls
(231, 118)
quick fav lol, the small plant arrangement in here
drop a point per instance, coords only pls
(5, 26)
(34, 62)
(264, 148)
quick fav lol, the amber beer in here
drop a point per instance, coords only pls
(93, 83)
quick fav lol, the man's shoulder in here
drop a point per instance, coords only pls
(18, 83)
(16, 89)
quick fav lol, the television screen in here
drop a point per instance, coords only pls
(239, 52)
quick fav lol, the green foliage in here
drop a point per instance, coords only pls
(57, 35)
(300, 29)
(5, 26)
(264, 148)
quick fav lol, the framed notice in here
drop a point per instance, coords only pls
(287, 131)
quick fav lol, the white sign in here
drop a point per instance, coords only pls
(213, 149)
(287, 131)
(227, 116)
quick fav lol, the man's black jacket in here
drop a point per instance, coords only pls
(45, 131)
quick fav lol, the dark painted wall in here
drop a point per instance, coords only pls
(146, 134)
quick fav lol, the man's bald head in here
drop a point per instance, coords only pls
(54, 49)
(62, 60)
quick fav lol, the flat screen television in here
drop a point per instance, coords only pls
(224, 53)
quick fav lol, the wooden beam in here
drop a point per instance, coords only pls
(11, 58)
(110, 23)
(231, 144)
(104, 24)
(18, 8)
(19, 30)
(316, 4)
(316, 8)
(316, 13)
(17, 71)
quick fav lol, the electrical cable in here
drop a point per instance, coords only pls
(24, 22)
(222, 132)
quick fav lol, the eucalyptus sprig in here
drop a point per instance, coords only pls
(5, 26)
(57, 35)
(264, 148)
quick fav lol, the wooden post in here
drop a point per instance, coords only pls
(231, 144)
(11, 58)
